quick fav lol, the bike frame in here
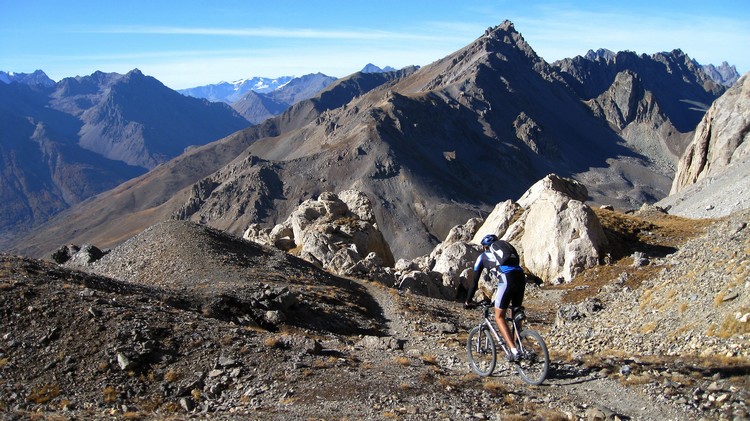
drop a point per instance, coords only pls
(488, 321)
(533, 364)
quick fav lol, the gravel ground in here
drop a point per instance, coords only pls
(277, 338)
(708, 198)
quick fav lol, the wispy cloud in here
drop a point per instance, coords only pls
(271, 32)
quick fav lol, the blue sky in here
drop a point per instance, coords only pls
(189, 43)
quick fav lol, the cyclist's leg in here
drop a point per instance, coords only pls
(502, 299)
(516, 290)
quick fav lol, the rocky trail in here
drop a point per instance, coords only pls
(571, 391)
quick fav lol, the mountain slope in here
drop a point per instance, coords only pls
(43, 170)
(64, 143)
(138, 120)
(431, 147)
(116, 215)
(439, 146)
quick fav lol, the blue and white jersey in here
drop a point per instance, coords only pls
(491, 260)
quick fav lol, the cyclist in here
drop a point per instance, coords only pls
(501, 259)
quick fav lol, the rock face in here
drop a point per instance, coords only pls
(720, 138)
(724, 74)
(713, 173)
(556, 233)
(337, 232)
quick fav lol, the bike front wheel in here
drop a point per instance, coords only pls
(481, 350)
(534, 363)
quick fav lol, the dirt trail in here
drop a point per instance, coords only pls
(570, 388)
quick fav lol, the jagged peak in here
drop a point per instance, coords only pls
(135, 72)
(600, 53)
(503, 39)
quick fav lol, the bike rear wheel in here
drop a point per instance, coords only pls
(534, 363)
(481, 350)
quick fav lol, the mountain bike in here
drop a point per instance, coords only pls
(533, 362)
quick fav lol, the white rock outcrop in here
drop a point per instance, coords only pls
(560, 235)
(336, 232)
(556, 233)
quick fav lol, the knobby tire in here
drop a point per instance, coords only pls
(481, 350)
(534, 364)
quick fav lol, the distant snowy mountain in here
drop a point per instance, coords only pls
(258, 106)
(230, 92)
(371, 68)
(36, 78)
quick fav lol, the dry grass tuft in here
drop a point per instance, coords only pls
(171, 376)
(328, 362)
(110, 394)
(495, 386)
(550, 415)
(635, 379)
(649, 327)
(733, 325)
(402, 361)
(44, 394)
(273, 342)
(429, 359)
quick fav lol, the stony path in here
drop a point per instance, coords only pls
(570, 388)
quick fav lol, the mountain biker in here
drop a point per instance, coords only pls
(501, 259)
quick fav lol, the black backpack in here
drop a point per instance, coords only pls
(505, 253)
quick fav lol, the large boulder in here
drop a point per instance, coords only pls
(553, 182)
(561, 237)
(557, 235)
(498, 220)
(427, 284)
(453, 261)
(84, 256)
(358, 204)
(464, 232)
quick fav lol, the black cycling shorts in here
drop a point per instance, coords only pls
(511, 289)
